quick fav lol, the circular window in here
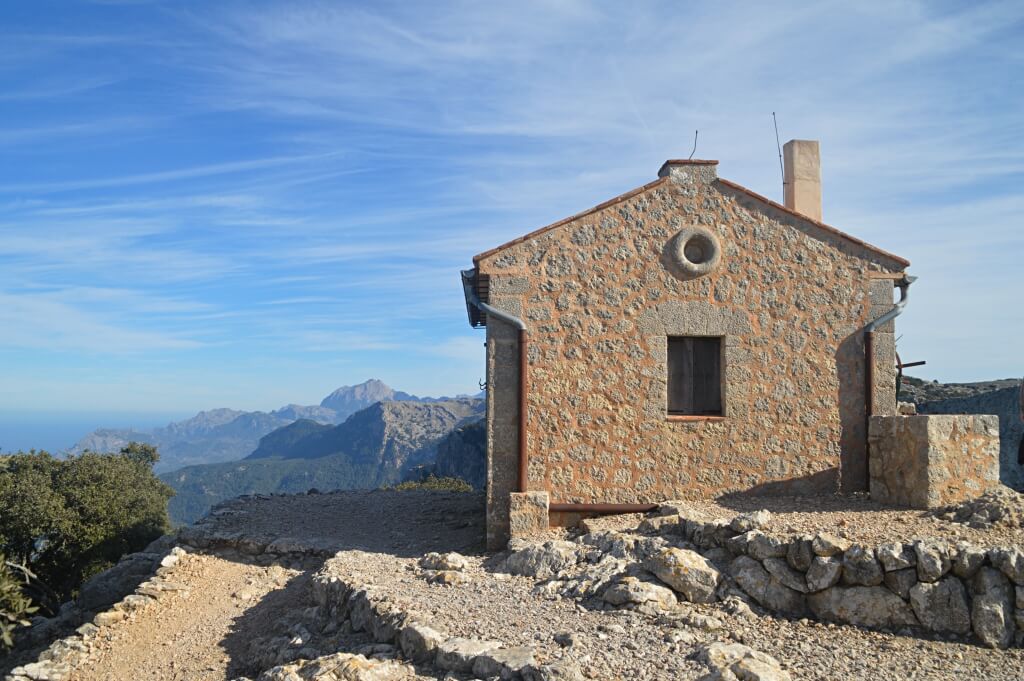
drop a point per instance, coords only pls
(695, 251)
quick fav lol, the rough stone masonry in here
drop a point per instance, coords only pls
(602, 292)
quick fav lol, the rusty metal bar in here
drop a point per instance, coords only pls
(524, 378)
(601, 508)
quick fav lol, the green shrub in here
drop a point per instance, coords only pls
(436, 484)
(67, 519)
(14, 604)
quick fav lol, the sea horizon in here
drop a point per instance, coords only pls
(56, 432)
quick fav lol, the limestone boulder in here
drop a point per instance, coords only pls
(687, 572)
(823, 573)
(942, 606)
(1010, 561)
(780, 569)
(444, 561)
(420, 642)
(736, 661)
(745, 522)
(932, 560)
(543, 560)
(110, 586)
(825, 544)
(632, 591)
(801, 553)
(967, 559)
(866, 606)
(895, 556)
(860, 567)
(992, 608)
(901, 581)
(761, 546)
(459, 654)
(766, 589)
(504, 663)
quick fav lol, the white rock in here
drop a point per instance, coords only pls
(687, 572)
(866, 606)
(459, 654)
(737, 661)
(942, 606)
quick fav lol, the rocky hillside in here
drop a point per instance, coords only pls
(220, 435)
(377, 446)
(918, 390)
(1002, 398)
(463, 454)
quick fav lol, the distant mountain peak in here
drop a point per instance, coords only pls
(349, 399)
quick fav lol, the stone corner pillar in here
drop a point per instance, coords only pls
(528, 513)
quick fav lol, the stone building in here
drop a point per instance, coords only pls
(683, 340)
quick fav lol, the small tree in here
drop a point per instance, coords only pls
(14, 604)
(67, 519)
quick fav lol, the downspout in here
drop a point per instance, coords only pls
(869, 357)
(516, 322)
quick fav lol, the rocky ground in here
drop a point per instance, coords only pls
(284, 588)
(859, 519)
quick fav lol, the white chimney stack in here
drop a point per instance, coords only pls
(803, 177)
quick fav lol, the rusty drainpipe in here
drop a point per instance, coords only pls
(601, 508)
(491, 311)
(869, 356)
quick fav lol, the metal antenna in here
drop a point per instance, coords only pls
(779, 147)
(694, 145)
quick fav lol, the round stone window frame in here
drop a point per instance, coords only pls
(701, 241)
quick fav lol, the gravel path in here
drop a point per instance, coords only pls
(183, 637)
(231, 607)
(628, 645)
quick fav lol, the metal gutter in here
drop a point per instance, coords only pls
(474, 300)
(869, 359)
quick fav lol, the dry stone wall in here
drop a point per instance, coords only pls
(789, 300)
(922, 585)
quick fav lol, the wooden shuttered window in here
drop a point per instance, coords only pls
(694, 376)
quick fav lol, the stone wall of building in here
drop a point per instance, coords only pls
(789, 298)
(933, 461)
(1005, 404)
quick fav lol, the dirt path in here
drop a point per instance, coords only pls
(183, 636)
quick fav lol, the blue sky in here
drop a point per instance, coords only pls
(248, 204)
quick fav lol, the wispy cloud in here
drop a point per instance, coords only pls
(271, 185)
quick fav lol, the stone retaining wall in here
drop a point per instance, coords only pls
(922, 585)
(57, 661)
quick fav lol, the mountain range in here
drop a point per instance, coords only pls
(219, 435)
(383, 444)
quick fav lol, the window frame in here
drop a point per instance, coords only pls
(672, 391)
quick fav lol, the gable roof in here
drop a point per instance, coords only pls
(832, 231)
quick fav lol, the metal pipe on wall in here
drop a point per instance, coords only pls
(869, 359)
(601, 508)
(524, 366)
(508, 318)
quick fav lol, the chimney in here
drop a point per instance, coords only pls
(803, 177)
